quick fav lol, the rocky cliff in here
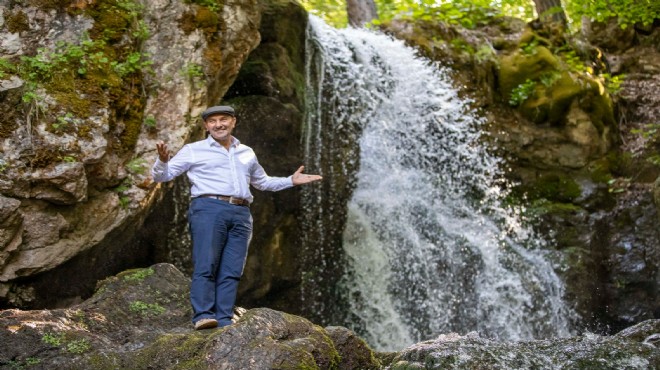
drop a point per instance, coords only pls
(87, 89)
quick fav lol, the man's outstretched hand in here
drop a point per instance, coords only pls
(300, 178)
(163, 153)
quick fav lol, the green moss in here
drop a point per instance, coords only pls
(103, 361)
(553, 187)
(136, 274)
(518, 67)
(561, 78)
(208, 21)
(621, 164)
(17, 22)
(206, 17)
(173, 351)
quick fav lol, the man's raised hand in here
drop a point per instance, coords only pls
(300, 178)
(163, 152)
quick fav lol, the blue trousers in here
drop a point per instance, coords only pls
(220, 234)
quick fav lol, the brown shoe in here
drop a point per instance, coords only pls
(206, 324)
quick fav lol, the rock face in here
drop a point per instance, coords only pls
(139, 319)
(80, 121)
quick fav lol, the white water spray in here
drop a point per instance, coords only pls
(428, 247)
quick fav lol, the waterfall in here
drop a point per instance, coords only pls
(427, 246)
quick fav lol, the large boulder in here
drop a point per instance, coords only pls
(140, 319)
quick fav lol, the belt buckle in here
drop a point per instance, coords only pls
(233, 200)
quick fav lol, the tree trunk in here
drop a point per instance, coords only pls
(361, 12)
(550, 11)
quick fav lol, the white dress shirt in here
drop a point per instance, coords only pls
(212, 169)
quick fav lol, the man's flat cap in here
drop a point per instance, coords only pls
(218, 109)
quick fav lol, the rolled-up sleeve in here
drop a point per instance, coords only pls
(166, 171)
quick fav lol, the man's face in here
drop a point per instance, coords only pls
(220, 126)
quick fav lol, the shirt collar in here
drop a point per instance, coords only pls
(234, 141)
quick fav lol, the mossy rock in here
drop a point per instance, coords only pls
(554, 187)
(518, 67)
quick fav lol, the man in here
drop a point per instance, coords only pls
(221, 170)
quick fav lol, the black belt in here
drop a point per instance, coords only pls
(232, 200)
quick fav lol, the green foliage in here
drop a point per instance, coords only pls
(134, 62)
(65, 58)
(613, 83)
(193, 71)
(137, 166)
(150, 121)
(573, 62)
(530, 47)
(470, 13)
(67, 159)
(124, 200)
(462, 45)
(141, 31)
(6, 68)
(30, 95)
(464, 12)
(649, 132)
(618, 185)
(63, 121)
(21, 365)
(146, 309)
(522, 92)
(651, 135)
(31, 361)
(53, 339)
(549, 78)
(467, 13)
(485, 53)
(333, 12)
(79, 346)
(626, 12)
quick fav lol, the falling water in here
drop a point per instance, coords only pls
(427, 246)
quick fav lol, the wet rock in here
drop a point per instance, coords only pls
(453, 351)
(353, 350)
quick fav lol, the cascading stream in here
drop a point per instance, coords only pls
(427, 246)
